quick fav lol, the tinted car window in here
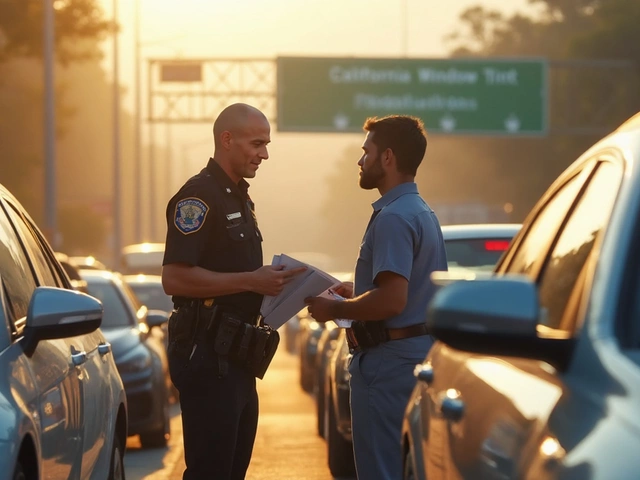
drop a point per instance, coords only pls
(152, 296)
(115, 314)
(576, 242)
(15, 270)
(475, 254)
(35, 250)
(544, 227)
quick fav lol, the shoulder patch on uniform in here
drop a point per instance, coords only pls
(190, 215)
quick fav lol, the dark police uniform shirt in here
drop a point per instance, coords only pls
(211, 224)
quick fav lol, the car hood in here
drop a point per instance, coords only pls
(122, 340)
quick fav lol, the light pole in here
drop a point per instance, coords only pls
(116, 144)
(50, 201)
(137, 160)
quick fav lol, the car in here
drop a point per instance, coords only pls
(142, 258)
(472, 250)
(72, 272)
(148, 289)
(327, 344)
(536, 369)
(139, 350)
(88, 262)
(308, 335)
(63, 410)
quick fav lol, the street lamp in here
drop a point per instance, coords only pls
(50, 204)
(116, 145)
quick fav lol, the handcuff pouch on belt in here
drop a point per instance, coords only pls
(369, 334)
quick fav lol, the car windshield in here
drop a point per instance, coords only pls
(478, 254)
(115, 313)
(152, 295)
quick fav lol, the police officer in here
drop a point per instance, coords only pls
(213, 268)
(402, 245)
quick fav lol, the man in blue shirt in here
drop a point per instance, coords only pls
(402, 245)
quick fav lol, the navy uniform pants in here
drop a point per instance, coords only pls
(219, 417)
(381, 383)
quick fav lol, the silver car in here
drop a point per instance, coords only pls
(536, 374)
(62, 404)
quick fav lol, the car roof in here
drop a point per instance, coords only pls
(100, 276)
(480, 230)
(146, 247)
(142, 278)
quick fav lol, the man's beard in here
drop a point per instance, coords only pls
(370, 178)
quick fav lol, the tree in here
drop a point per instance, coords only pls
(560, 29)
(75, 21)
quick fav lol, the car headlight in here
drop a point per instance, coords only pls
(140, 360)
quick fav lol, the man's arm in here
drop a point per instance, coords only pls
(387, 300)
(196, 282)
(186, 280)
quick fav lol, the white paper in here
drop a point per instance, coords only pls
(331, 295)
(276, 311)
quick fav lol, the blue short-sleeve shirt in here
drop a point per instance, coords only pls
(404, 238)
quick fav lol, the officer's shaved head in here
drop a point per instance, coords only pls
(232, 119)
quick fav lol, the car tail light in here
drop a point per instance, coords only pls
(496, 245)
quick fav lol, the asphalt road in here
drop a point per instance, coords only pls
(287, 445)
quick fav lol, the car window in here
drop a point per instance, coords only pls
(115, 314)
(153, 296)
(131, 296)
(540, 233)
(17, 277)
(42, 266)
(576, 241)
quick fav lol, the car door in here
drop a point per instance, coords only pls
(496, 409)
(86, 389)
(52, 402)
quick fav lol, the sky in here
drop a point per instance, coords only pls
(266, 29)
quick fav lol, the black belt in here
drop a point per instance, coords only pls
(416, 330)
(209, 303)
(407, 332)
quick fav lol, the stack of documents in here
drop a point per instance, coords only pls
(310, 283)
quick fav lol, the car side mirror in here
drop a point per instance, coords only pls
(59, 313)
(503, 306)
(494, 316)
(157, 318)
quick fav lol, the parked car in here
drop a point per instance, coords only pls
(63, 411)
(77, 282)
(308, 336)
(536, 371)
(148, 289)
(140, 355)
(88, 262)
(327, 344)
(471, 249)
(142, 258)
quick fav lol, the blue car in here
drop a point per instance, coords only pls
(63, 410)
(137, 337)
(536, 371)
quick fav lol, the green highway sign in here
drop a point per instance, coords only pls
(455, 96)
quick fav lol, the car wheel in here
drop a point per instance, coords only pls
(158, 438)
(116, 470)
(18, 473)
(409, 474)
(340, 451)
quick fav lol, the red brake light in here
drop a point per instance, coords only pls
(496, 245)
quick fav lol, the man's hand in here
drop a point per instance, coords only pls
(270, 280)
(345, 289)
(321, 309)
